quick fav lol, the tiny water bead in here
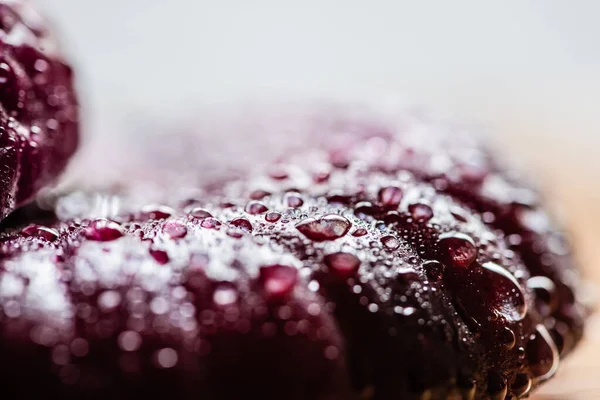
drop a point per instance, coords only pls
(328, 227)
(43, 232)
(103, 231)
(255, 207)
(342, 264)
(458, 249)
(278, 281)
(420, 212)
(390, 196)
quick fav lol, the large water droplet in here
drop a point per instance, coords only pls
(343, 264)
(359, 232)
(497, 388)
(542, 354)
(546, 298)
(521, 385)
(457, 249)
(329, 227)
(506, 295)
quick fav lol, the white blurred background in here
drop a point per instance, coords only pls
(529, 69)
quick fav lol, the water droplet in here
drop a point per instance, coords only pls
(329, 227)
(434, 270)
(278, 280)
(130, 341)
(200, 213)
(507, 338)
(332, 352)
(408, 311)
(497, 388)
(225, 294)
(256, 207)
(546, 298)
(258, 194)
(472, 173)
(458, 249)
(364, 210)
(242, 223)
(166, 358)
(390, 196)
(507, 297)
(420, 212)
(406, 276)
(272, 216)
(390, 242)
(277, 172)
(160, 256)
(174, 230)
(521, 385)
(294, 200)
(359, 232)
(343, 264)
(103, 231)
(210, 223)
(109, 300)
(321, 176)
(43, 232)
(459, 214)
(80, 347)
(157, 212)
(542, 354)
